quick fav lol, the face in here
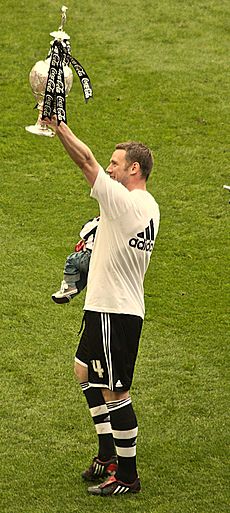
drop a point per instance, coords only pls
(119, 169)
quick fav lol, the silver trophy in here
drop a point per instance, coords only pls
(39, 75)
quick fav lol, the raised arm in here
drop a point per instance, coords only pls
(77, 150)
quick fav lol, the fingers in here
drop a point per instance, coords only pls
(51, 123)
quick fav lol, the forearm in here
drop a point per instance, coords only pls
(79, 152)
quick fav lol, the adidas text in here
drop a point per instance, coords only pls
(144, 245)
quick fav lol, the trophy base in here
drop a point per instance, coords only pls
(39, 130)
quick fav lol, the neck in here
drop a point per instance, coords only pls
(138, 185)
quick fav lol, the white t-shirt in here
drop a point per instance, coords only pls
(124, 241)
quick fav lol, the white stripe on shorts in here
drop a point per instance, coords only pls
(80, 362)
(106, 334)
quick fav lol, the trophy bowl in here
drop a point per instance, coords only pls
(38, 78)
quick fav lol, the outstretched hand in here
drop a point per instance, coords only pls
(52, 122)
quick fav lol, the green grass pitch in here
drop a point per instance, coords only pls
(160, 72)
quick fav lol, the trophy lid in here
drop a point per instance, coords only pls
(60, 34)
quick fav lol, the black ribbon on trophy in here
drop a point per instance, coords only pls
(54, 99)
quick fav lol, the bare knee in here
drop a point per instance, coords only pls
(80, 372)
(114, 396)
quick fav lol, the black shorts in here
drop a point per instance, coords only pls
(108, 347)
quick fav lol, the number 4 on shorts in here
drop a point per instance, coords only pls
(98, 368)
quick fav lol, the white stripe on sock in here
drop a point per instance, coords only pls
(99, 410)
(125, 435)
(104, 428)
(115, 405)
(126, 452)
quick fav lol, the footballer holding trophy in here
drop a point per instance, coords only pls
(51, 80)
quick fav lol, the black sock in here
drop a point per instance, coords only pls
(124, 426)
(101, 418)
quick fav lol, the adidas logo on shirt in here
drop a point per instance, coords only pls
(143, 239)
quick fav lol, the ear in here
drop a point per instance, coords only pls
(135, 167)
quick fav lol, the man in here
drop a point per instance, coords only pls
(114, 304)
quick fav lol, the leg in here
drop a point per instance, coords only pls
(106, 462)
(81, 372)
(121, 348)
(124, 426)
